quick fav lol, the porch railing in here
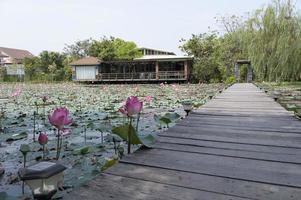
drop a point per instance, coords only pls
(163, 75)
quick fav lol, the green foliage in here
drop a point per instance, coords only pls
(79, 49)
(82, 150)
(166, 119)
(123, 130)
(103, 49)
(274, 42)
(48, 66)
(230, 80)
(114, 49)
(270, 38)
(204, 48)
(107, 48)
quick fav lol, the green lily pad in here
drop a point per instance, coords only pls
(109, 163)
(82, 151)
(17, 136)
(123, 130)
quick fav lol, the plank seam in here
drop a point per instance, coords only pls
(213, 175)
(179, 186)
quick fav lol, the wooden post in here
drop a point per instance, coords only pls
(157, 70)
(186, 69)
(236, 72)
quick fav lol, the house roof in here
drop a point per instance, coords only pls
(16, 54)
(158, 50)
(164, 57)
(2, 55)
(86, 61)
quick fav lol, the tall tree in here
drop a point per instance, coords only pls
(204, 48)
(79, 49)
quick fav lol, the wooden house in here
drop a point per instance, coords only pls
(12, 60)
(149, 68)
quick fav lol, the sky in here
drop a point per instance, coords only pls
(38, 25)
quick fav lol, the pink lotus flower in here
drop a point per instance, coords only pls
(148, 99)
(16, 93)
(66, 131)
(43, 138)
(162, 84)
(60, 118)
(132, 106)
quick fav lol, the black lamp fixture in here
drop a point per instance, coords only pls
(43, 178)
(276, 95)
(187, 106)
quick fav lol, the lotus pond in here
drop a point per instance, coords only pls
(88, 146)
(288, 94)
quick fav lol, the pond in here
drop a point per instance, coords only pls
(88, 146)
(287, 94)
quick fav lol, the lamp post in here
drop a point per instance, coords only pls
(187, 106)
(276, 95)
(43, 178)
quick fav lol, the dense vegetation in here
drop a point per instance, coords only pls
(270, 38)
(54, 66)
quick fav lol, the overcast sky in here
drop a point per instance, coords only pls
(38, 25)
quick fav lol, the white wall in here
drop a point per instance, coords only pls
(14, 69)
(86, 72)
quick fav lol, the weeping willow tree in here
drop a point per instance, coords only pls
(272, 40)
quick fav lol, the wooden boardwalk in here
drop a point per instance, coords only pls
(240, 145)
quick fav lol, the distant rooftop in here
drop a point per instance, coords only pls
(164, 57)
(149, 51)
(16, 54)
(87, 61)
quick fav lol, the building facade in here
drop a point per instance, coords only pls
(165, 66)
(12, 60)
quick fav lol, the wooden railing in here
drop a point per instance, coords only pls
(166, 75)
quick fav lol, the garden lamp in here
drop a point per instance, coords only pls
(187, 105)
(276, 95)
(43, 178)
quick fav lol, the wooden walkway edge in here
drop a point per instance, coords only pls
(240, 145)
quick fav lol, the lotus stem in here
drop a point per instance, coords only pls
(24, 160)
(137, 125)
(58, 145)
(44, 113)
(129, 136)
(43, 151)
(115, 148)
(34, 126)
(85, 134)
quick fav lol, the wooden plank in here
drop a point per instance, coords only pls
(219, 185)
(281, 119)
(108, 186)
(211, 130)
(279, 157)
(231, 145)
(239, 126)
(237, 168)
(240, 145)
(293, 142)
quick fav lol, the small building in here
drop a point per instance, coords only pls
(148, 68)
(148, 51)
(12, 60)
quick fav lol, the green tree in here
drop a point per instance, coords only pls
(79, 49)
(114, 49)
(103, 49)
(204, 48)
(48, 66)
